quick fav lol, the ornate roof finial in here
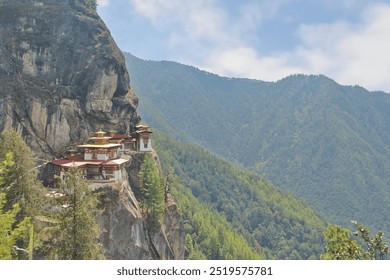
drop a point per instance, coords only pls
(100, 133)
(112, 132)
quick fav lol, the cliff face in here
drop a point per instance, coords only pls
(61, 74)
(126, 235)
(61, 78)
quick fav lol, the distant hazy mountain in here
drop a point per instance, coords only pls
(327, 143)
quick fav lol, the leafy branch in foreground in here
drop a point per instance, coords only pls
(340, 246)
(377, 248)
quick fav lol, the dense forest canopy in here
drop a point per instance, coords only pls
(275, 224)
(328, 144)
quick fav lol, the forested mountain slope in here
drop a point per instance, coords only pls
(276, 225)
(327, 143)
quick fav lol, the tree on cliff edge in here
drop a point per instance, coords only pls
(152, 192)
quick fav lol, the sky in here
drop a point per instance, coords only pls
(346, 40)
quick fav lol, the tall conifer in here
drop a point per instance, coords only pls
(22, 189)
(10, 229)
(76, 231)
(153, 193)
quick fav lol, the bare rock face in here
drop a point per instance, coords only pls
(62, 77)
(126, 235)
(170, 240)
(61, 74)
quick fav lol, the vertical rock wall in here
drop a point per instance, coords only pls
(61, 74)
(62, 77)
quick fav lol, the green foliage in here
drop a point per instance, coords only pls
(208, 234)
(5, 167)
(275, 225)
(340, 245)
(29, 223)
(75, 233)
(376, 246)
(21, 188)
(20, 182)
(10, 228)
(321, 141)
(152, 192)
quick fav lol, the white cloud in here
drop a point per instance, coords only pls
(352, 54)
(103, 3)
(204, 34)
(192, 19)
(152, 9)
(245, 62)
(349, 53)
(200, 28)
(193, 28)
(252, 14)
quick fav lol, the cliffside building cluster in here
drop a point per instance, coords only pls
(102, 159)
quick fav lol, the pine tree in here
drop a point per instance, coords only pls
(20, 184)
(152, 192)
(5, 167)
(76, 231)
(21, 187)
(10, 229)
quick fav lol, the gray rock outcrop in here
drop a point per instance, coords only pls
(61, 74)
(126, 235)
(62, 77)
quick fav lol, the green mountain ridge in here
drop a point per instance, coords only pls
(219, 200)
(328, 144)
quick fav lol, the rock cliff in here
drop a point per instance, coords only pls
(62, 77)
(61, 74)
(126, 235)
